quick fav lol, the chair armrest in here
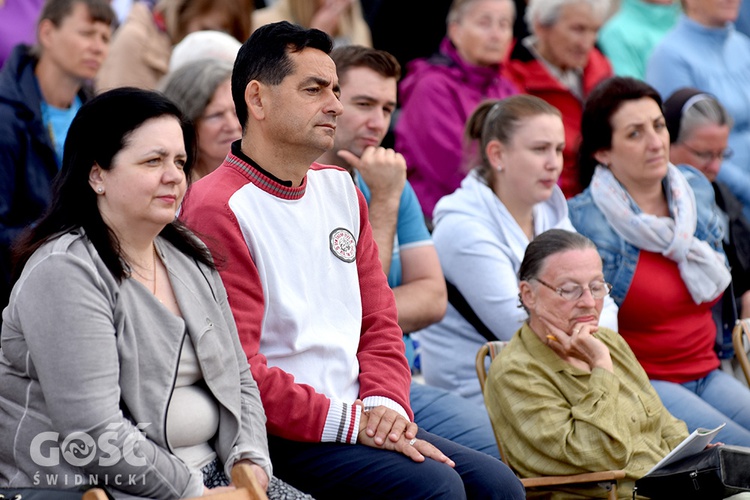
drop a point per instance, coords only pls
(243, 477)
(588, 477)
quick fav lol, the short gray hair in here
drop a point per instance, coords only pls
(547, 12)
(193, 85)
(458, 9)
(706, 111)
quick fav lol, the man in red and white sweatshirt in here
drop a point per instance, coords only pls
(314, 312)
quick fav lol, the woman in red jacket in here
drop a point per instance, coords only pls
(560, 64)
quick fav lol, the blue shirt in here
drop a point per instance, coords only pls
(717, 61)
(411, 230)
(57, 122)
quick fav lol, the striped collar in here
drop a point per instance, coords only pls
(262, 178)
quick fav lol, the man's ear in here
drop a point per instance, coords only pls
(44, 31)
(256, 95)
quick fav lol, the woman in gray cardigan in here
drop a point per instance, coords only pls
(120, 362)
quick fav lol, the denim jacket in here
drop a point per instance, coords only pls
(619, 257)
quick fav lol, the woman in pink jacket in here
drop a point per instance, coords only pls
(440, 93)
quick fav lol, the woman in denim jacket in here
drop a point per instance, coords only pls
(659, 235)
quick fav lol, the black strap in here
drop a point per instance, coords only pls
(460, 304)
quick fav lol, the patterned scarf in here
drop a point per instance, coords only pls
(702, 268)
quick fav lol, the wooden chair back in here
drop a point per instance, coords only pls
(492, 349)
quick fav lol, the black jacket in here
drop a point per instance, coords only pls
(27, 155)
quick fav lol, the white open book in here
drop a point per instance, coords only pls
(694, 443)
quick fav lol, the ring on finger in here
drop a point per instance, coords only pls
(413, 440)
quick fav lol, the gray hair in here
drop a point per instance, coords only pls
(705, 111)
(459, 7)
(547, 12)
(193, 85)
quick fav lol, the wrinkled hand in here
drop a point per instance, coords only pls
(417, 451)
(579, 343)
(326, 18)
(383, 170)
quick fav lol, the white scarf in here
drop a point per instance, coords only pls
(702, 268)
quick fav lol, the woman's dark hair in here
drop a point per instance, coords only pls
(99, 131)
(596, 124)
(546, 244)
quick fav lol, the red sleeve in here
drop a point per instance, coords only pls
(384, 370)
(294, 411)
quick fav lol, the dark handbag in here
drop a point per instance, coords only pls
(715, 473)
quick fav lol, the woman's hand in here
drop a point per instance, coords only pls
(327, 17)
(215, 491)
(745, 305)
(580, 344)
(258, 472)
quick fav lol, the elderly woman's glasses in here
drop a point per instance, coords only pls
(708, 156)
(571, 292)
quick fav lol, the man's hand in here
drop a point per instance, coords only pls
(404, 442)
(382, 421)
(579, 343)
(383, 170)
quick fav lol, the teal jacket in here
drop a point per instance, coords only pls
(629, 37)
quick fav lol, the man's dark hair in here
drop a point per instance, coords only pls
(57, 10)
(265, 57)
(357, 56)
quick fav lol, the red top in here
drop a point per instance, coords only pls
(295, 410)
(531, 77)
(672, 337)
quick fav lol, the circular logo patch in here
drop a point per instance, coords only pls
(342, 244)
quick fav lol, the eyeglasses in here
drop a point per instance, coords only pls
(708, 156)
(573, 291)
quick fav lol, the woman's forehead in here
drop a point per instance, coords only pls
(574, 264)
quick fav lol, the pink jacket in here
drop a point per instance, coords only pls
(437, 97)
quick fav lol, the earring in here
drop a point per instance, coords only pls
(499, 168)
(100, 190)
